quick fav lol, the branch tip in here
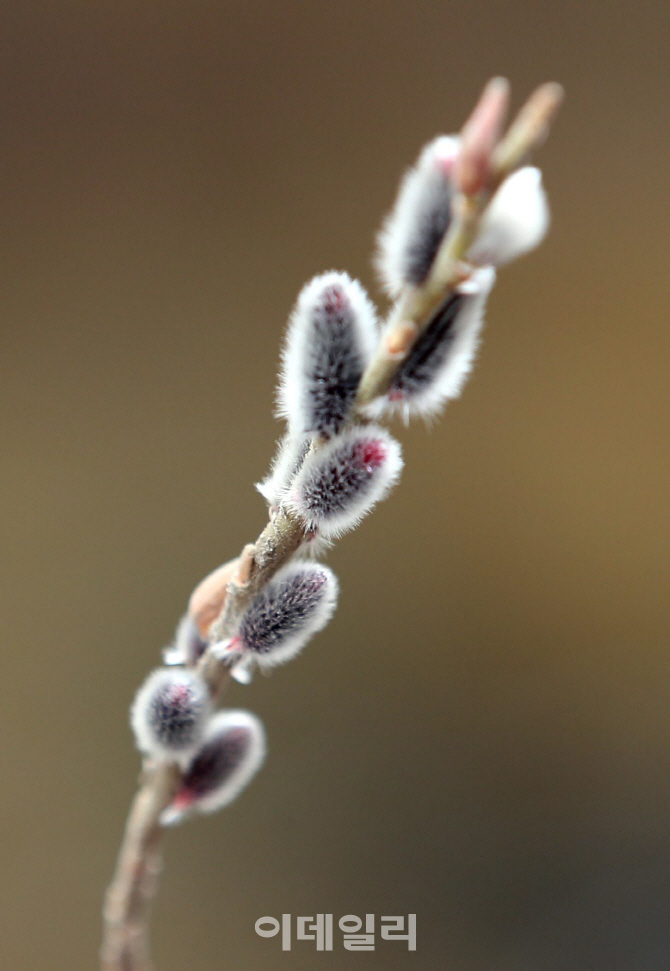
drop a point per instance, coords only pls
(529, 129)
(480, 135)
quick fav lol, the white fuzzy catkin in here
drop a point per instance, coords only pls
(188, 645)
(332, 335)
(290, 455)
(440, 361)
(231, 753)
(169, 713)
(338, 484)
(515, 221)
(412, 232)
(296, 603)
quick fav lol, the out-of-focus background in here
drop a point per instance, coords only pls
(482, 734)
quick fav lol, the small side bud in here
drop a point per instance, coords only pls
(413, 231)
(298, 602)
(341, 482)
(515, 221)
(231, 753)
(169, 713)
(189, 645)
(208, 598)
(438, 364)
(286, 464)
(331, 337)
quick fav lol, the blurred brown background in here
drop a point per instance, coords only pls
(482, 735)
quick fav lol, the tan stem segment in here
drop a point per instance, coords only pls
(129, 897)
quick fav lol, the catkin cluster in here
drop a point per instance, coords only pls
(334, 461)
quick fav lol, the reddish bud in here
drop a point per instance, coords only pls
(231, 752)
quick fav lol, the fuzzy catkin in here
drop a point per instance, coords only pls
(420, 367)
(441, 359)
(515, 221)
(296, 603)
(331, 337)
(189, 645)
(340, 483)
(169, 713)
(414, 229)
(231, 753)
(291, 453)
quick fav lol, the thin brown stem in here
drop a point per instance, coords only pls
(128, 901)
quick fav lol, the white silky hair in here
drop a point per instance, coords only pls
(443, 374)
(250, 761)
(159, 739)
(290, 454)
(306, 612)
(325, 354)
(515, 221)
(188, 644)
(333, 491)
(413, 230)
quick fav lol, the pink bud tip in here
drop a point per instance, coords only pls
(480, 135)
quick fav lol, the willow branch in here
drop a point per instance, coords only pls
(128, 900)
